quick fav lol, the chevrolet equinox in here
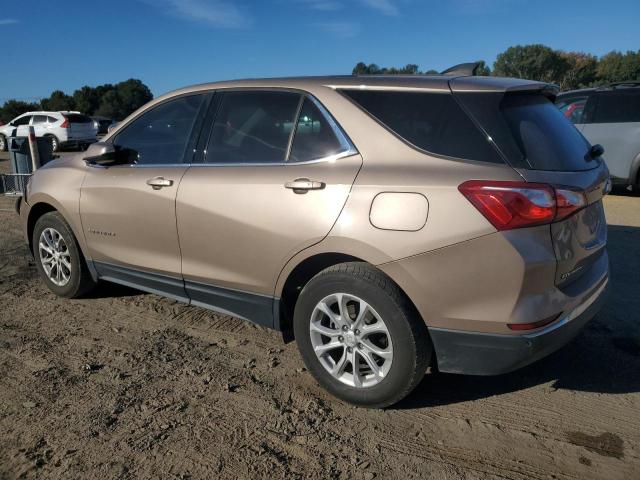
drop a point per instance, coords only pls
(388, 224)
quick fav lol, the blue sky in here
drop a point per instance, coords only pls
(171, 43)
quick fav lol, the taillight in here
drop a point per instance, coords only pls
(65, 124)
(568, 202)
(509, 205)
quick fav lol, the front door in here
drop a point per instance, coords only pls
(275, 177)
(128, 211)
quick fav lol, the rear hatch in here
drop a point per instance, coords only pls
(80, 126)
(544, 147)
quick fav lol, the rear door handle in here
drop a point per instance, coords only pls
(158, 182)
(303, 185)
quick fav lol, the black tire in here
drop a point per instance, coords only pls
(412, 348)
(3, 143)
(55, 143)
(80, 281)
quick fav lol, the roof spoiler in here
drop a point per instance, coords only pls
(549, 90)
(463, 69)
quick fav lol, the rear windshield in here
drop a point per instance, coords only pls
(529, 130)
(77, 118)
(433, 122)
(544, 136)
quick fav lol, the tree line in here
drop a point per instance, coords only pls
(111, 101)
(570, 70)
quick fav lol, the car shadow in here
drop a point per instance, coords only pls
(110, 290)
(604, 358)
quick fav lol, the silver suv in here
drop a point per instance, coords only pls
(388, 224)
(610, 116)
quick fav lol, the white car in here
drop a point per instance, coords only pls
(610, 116)
(65, 129)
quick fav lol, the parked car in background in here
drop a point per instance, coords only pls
(65, 129)
(610, 116)
(102, 124)
(388, 223)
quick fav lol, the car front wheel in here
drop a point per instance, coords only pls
(59, 259)
(360, 337)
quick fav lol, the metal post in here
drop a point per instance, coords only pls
(33, 147)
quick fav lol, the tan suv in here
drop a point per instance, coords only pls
(390, 224)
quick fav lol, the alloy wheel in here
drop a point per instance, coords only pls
(55, 257)
(351, 340)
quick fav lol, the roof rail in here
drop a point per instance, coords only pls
(463, 69)
(628, 83)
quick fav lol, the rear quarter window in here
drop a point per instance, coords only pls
(433, 122)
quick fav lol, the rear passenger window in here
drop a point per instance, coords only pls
(430, 121)
(314, 138)
(39, 119)
(160, 135)
(253, 127)
(618, 107)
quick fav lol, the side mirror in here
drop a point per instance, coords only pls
(105, 155)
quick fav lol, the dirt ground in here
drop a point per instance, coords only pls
(130, 385)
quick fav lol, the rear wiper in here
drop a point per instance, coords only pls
(594, 152)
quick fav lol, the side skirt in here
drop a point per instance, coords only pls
(258, 309)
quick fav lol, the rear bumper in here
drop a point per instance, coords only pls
(494, 354)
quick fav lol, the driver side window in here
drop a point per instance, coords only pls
(160, 136)
(22, 121)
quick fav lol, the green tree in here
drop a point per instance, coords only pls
(12, 108)
(123, 99)
(58, 101)
(619, 67)
(533, 62)
(582, 70)
(483, 69)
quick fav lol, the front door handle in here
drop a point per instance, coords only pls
(158, 182)
(303, 185)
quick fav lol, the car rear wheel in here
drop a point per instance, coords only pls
(360, 337)
(55, 143)
(3, 143)
(59, 259)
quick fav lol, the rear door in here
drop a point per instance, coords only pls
(80, 126)
(39, 123)
(544, 147)
(614, 122)
(276, 174)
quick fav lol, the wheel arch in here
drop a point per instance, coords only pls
(43, 207)
(302, 273)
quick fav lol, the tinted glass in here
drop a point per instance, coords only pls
(160, 136)
(22, 121)
(573, 108)
(431, 121)
(52, 120)
(77, 118)
(39, 119)
(314, 136)
(253, 127)
(618, 106)
(546, 139)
